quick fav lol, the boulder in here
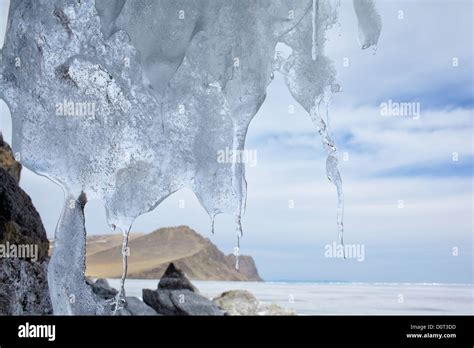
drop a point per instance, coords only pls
(176, 295)
(175, 279)
(242, 302)
(180, 302)
(123, 313)
(102, 288)
(238, 302)
(137, 307)
(274, 309)
(160, 301)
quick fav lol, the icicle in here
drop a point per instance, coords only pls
(70, 295)
(332, 170)
(119, 301)
(212, 223)
(335, 178)
(374, 49)
(239, 234)
(369, 22)
(314, 48)
(237, 253)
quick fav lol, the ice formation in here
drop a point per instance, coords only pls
(130, 101)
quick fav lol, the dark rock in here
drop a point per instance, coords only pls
(133, 305)
(180, 302)
(8, 162)
(175, 279)
(23, 281)
(20, 223)
(189, 303)
(24, 287)
(160, 301)
(136, 307)
(102, 288)
(123, 312)
(176, 295)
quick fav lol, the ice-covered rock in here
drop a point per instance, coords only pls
(130, 101)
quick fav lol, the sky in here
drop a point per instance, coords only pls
(407, 180)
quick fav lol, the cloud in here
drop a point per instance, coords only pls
(414, 59)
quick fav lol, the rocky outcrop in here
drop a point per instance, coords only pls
(20, 223)
(23, 246)
(247, 267)
(8, 162)
(169, 299)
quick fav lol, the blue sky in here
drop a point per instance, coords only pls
(390, 159)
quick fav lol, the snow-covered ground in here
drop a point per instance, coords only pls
(342, 298)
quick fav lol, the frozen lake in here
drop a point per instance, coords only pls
(341, 298)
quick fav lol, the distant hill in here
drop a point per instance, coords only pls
(151, 253)
(98, 243)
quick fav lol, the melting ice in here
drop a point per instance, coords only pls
(171, 84)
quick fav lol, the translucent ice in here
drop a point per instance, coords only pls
(130, 101)
(370, 23)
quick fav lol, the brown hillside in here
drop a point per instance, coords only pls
(151, 253)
